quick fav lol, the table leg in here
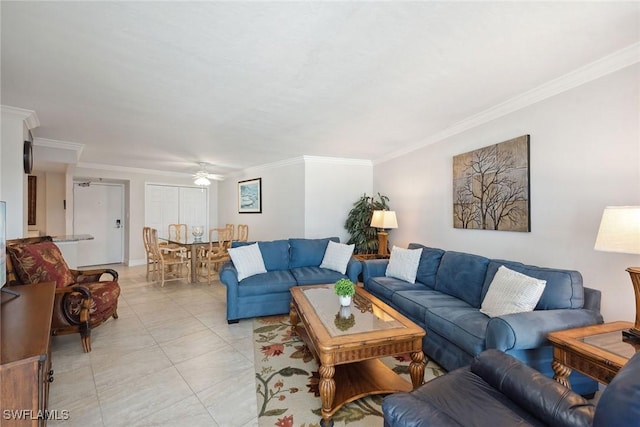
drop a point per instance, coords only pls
(562, 373)
(416, 369)
(327, 388)
(194, 263)
(293, 318)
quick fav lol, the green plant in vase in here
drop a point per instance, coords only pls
(358, 223)
(345, 289)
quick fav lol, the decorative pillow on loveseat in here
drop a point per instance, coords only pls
(247, 260)
(308, 252)
(40, 262)
(337, 256)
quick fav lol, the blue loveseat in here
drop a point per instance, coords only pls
(446, 298)
(290, 262)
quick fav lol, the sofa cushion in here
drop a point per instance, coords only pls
(564, 288)
(247, 260)
(315, 275)
(403, 264)
(464, 326)
(40, 262)
(429, 263)
(308, 252)
(415, 302)
(385, 287)
(275, 254)
(462, 275)
(337, 256)
(266, 283)
(511, 292)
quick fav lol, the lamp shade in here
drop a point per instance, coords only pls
(619, 230)
(384, 219)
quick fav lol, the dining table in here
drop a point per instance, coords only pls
(192, 244)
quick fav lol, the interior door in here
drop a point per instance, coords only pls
(98, 210)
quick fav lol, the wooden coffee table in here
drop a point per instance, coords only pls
(347, 343)
(597, 351)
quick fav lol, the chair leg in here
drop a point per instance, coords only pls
(86, 342)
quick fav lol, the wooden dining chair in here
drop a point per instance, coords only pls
(218, 251)
(169, 261)
(243, 233)
(150, 254)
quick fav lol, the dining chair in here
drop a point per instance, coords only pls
(218, 250)
(151, 259)
(168, 260)
(243, 233)
(231, 228)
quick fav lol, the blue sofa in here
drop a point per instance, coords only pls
(290, 262)
(498, 390)
(446, 298)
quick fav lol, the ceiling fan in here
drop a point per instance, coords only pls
(203, 178)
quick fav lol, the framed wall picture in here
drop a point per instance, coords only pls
(491, 187)
(250, 196)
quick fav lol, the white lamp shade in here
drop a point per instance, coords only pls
(384, 219)
(619, 230)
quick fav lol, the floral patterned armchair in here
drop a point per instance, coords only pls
(82, 302)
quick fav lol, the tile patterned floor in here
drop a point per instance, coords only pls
(170, 359)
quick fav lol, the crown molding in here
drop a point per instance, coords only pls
(268, 166)
(337, 161)
(609, 64)
(60, 145)
(29, 116)
(126, 169)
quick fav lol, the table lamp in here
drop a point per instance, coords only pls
(620, 232)
(383, 220)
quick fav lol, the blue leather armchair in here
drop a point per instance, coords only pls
(499, 390)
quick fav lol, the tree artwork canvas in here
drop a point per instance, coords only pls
(491, 187)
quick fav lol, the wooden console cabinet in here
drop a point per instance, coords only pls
(25, 355)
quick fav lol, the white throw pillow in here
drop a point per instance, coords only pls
(247, 260)
(337, 256)
(403, 264)
(511, 292)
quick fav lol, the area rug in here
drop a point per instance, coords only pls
(287, 381)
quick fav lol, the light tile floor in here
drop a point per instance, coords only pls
(170, 359)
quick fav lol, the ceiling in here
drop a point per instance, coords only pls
(166, 85)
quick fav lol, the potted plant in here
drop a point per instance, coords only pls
(358, 223)
(345, 289)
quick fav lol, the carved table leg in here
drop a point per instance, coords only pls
(416, 369)
(327, 388)
(562, 373)
(293, 317)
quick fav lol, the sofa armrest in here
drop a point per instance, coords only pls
(229, 277)
(521, 331)
(592, 298)
(540, 395)
(354, 268)
(373, 268)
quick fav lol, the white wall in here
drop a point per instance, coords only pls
(13, 188)
(134, 203)
(282, 201)
(331, 187)
(585, 155)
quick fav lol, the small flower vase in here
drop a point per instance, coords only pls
(345, 300)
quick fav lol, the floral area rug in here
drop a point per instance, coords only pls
(287, 381)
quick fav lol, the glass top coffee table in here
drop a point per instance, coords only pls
(348, 342)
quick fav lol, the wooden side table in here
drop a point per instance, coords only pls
(597, 351)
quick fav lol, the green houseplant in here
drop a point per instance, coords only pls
(345, 289)
(362, 235)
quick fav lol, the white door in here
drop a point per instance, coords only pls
(168, 204)
(98, 210)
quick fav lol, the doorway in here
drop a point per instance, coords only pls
(98, 210)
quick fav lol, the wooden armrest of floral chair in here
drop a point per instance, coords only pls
(84, 298)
